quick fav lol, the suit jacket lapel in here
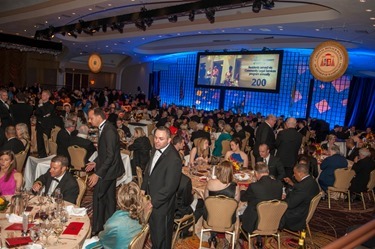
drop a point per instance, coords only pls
(159, 159)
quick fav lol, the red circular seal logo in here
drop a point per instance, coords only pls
(329, 61)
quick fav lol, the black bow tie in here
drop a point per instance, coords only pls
(161, 152)
(55, 179)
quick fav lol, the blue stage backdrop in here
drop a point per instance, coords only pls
(329, 100)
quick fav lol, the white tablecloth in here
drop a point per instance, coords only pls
(30, 169)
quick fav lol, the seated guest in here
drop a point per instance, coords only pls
(235, 154)
(200, 133)
(352, 150)
(81, 140)
(125, 223)
(264, 189)
(239, 132)
(222, 185)
(275, 166)
(201, 151)
(22, 133)
(331, 139)
(120, 125)
(12, 143)
(63, 137)
(57, 177)
(141, 148)
(179, 143)
(299, 198)
(362, 169)
(225, 135)
(308, 157)
(329, 165)
(10, 179)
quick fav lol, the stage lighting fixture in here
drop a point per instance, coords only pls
(148, 21)
(257, 6)
(268, 4)
(192, 15)
(71, 33)
(172, 18)
(210, 15)
(141, 25)
(104, 28)
(51, 32)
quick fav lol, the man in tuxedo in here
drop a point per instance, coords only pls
(161, 180)
(275, 166)
(107, 167)
(362, 168)
(265, 135)
(6, 118)
(82, 141)
(45, 121)
(264, 189)
(352, 150)
(63, 137)
(299, 198)
(21, 111)
(13, 143)
(58, 177)
(288, 143)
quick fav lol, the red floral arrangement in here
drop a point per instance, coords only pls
(318, 149)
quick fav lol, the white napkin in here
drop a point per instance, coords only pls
(89, 241)
(13, 218)
(76, 211)
(34, 246)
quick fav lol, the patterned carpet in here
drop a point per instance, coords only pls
(326, 225)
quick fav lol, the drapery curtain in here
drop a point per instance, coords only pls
(360, 111)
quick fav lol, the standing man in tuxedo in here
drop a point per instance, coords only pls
(161, 180)
(6, 118)
(58, 177)
(64, 136)
(265, 135)
(107, 167)
(288, 143)
(21, 111)
(275, 166)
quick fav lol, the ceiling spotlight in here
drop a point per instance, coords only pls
(268, 4)
(172, 18)
(210, 14)
(257, 6)
(71, 33)
(141, 25)
(192, 15)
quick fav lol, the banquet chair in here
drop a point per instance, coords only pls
(186, 221)
(151, 138)
(54, 133)
(77, 159)
(220, 210)
(370, 188)
(269, 216)
(150, 128)
(46, 146)
(147, 212)
(313, 205)
(82, 190)
(52, 146)
(20, 160)
(139, 240)
(139, 176)
(225, 144)
(343, 178)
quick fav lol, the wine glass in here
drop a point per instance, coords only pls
(58, 229)
(46, 229)
(64, 216)
(34, 233)
(43, 215)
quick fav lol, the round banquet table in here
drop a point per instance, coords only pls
(65, 241)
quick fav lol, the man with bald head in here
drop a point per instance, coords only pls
(288, 143)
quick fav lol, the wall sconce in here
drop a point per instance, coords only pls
(92, 82)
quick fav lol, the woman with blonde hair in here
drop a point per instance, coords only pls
(22, 132)
(125, 223)
(201, 151)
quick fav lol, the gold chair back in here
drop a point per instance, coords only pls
(20, 160)
(269, 216)
(46, 145)
(343, 178)
(151, 138)
(139, 176)
(220, 210)
(313, 205)
(139, 240)
(225, 145)
(371, 182)
(82, 190)
(77, 156)
(54, 133)
(52, 146)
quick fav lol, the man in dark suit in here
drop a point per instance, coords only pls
(275, 166)
(58, 177)
(161, 180)
(362, 169)
(200, 133)
(13, 143)
(352, 150)
(82, 141)
(108, 167)
(6, 118)
(265, 135)
(45, 115)
(299, 198)
(288, 143)
(264, 189)
(63, 137)
(21, 111)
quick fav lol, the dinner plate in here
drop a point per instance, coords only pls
(242, 176)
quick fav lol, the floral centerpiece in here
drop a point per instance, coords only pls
(237, 166)
(3, 203)
(319, 150)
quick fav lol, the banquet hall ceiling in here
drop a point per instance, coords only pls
(290, 24)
